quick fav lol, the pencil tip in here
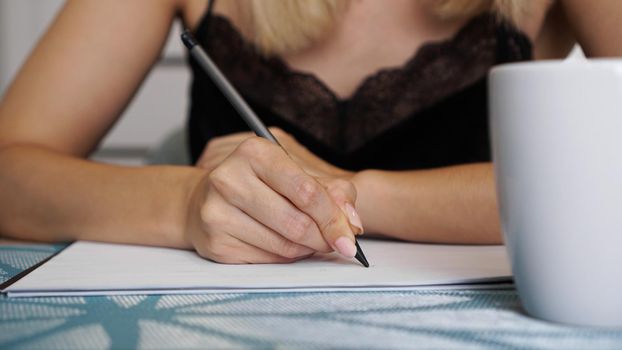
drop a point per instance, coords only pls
(359, 254)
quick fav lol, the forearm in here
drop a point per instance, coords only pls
(446, 205)
(48, 196)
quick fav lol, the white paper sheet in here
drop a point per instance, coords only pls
(88, 268)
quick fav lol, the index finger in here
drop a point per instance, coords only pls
(274, 167)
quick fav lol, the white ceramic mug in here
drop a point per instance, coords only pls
(557, 147)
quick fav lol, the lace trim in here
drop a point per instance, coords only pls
(381, 101)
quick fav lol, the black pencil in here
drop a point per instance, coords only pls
(253, 121)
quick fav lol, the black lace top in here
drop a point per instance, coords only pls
(430, 112)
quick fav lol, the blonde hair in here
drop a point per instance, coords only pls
(283, 26)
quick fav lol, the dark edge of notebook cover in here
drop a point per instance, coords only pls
(6, 284)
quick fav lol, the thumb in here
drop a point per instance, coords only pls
(343, 194)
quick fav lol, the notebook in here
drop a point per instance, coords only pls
(90, 268)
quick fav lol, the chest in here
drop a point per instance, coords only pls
(371, 36)
(368, 39)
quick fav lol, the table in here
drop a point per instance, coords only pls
(443, 318)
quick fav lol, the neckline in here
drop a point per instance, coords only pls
(419, 53)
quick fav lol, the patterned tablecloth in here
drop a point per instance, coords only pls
(461, 319)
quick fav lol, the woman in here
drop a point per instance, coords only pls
(406, 146)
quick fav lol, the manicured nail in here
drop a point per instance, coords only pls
(346, 247)
(354, 217)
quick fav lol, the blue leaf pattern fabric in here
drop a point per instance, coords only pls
(427, 319)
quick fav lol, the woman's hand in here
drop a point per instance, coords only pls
(258, 206)
(219, 148)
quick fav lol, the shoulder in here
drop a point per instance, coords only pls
(547, 27)
(192, 12)
(596, 25)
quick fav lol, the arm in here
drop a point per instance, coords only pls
(596, 25)
(257, 206)
(68, 94)
(47, 196)
(446, 205)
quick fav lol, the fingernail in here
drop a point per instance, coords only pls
(346, 247)
(354, 218)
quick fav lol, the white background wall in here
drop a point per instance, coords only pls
(159, 107)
